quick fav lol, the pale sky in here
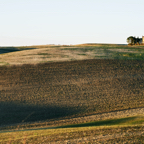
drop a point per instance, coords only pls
(41, 22)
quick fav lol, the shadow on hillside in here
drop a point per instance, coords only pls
(120, 121)
(12, 49)
(12, 113)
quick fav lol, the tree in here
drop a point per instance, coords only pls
(138, 40)
(132, 40)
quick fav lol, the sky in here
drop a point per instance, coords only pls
(42, 22)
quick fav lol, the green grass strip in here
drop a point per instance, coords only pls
(122, 121)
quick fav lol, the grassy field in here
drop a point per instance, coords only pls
(101, 79)
(101, 134)
(54, 53)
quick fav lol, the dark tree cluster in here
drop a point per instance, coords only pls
(134, 41)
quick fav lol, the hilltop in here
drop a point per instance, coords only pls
(57, 53)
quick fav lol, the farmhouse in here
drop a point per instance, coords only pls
(142, 40)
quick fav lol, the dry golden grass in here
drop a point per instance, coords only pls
(56, 53)
(109, 134)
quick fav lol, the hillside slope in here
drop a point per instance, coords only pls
(32, 93)
(57, 53)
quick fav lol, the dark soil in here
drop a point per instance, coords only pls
(31, 93)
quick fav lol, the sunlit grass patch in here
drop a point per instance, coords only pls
(121, 121)
(125, 55)
(62, 134)
(4, 64)
(20, 55)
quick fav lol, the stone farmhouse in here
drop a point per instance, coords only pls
(142, 40)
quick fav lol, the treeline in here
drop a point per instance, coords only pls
(134, 41)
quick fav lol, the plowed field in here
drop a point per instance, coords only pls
(41, 92)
